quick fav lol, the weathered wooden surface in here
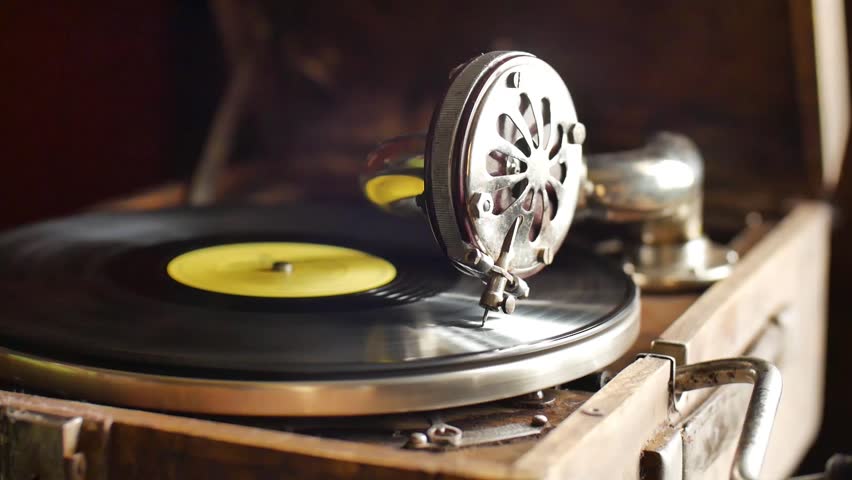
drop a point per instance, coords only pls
(150, 445)
(708, 436)
(800, 241)
(604, 438)
(776, 293)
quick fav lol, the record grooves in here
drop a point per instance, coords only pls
(92, 293)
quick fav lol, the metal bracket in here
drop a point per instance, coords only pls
(760, 413)
(762, 406)
(49, 447)
(441, 437)
(672, 376)
(676, 350)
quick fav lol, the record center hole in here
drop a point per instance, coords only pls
(283, 267)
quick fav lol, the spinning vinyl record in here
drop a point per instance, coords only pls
(299, 310)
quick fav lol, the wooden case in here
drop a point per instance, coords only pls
(761, 86)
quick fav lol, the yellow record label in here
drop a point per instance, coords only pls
(387, 189)
(281, 270)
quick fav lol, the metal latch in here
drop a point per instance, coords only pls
(760, 413)
(43, 446)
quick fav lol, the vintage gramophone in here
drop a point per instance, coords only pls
(559, 380)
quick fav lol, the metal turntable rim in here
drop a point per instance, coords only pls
(362, 396)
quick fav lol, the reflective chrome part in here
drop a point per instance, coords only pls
(495, 295)
(666, 267)
(499, 151)
(760, 414)
(539, 420)
(538, 399)
(441, 436)
(502, 433)
(444, 434)
(658, 188)
(650, 182)
(417, 440)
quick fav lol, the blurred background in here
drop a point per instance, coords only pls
(102, 100)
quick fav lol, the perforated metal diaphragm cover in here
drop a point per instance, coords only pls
(499, 149)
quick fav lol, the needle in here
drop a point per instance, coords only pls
(484, 318)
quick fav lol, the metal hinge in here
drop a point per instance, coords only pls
(43, 446)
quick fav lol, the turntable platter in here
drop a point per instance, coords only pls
(96, 307)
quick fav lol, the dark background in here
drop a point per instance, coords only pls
(103, 99)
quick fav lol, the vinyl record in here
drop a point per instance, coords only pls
(299, 310)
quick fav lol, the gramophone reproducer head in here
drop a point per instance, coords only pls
(504, 146)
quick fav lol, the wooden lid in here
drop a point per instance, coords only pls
(761, 86)
(820, 45)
